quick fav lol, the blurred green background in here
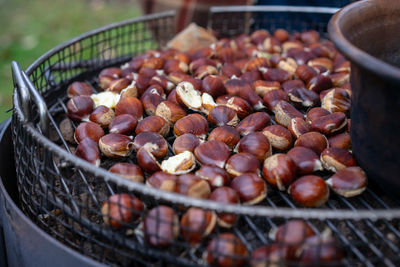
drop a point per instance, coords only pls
(30, 28)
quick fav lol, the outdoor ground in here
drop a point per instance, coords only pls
(30, 28)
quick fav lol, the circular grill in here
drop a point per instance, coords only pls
(63, 194)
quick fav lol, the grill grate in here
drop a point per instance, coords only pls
(63, 194)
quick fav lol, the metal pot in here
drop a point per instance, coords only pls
(367, 32)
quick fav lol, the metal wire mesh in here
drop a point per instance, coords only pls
(64, 195)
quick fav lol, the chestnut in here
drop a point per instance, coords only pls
(107, 75)
(272, 98)
(146, 158)
(204, 71)
(121, 209)
(102, 115)
(293, 232)
(192, 186)
(241, 163)
(163, 181)
(305, 73)
(175, 65)
(88, 129)
(270, 255)
(196, 224)
(337, 100)
(248, 94)
(225, 195)
(223, 115)
(208, 103)
(298, 127)
(316, 113)
(123, 124)
(79, 108)
(279, 171)
(256, 63)
(213, 152)
(129, 171)
(279, 137)
(241, 106)
(88, 150)
(226, 249)
(256, 144)
(302, 97)
(154, 124)
(188, 96)
(160, 145)
(290, 85)
(276, 75)
(192, 123)
(313, 140)
(116, 145)
(305, 160)
(329, 124)
(118, 85)
(213, 85)
(309, 191)
(170, 111)
(226, 134)
(348, 182)
(215, 176)
(319, 83)
(284, 112)
(263, 87)
(79, 89)
(182, 163)
(336, 159)
(230, 70)
(185, 142)
(234, 86)
(161, 226)
(253, 123)
(341, 140)
(250, 188)
(107, 98)
(321, 249)
(129, 105)
(150, 100)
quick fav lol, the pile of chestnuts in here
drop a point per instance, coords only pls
(256, 111)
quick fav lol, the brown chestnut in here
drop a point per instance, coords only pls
(263, 87)
(196, 224)
(270, 255)
(225, 250)
(313, 140)
(279, 137)
(305, 159)
(160, 147)
(225, 195)
(226, 134)
(309, 191)
(279, 171)
(118, 85)
(88, 150)
(129, 171)
(253, 123)
(256, 144)
(241, 163)
(316, 113)
(102, 115)
(161, 226)
(213, 85)
(215, 176)
(272, 98)
(192, 186)
(336, 159)
(341, 140)
(293, 232)
(88, 129)
(121, 209)
(321, 249)
(123, 124)
(154, 124)
(298, 127)
(79, 88)
(185, 142)
(213, 152)
(146, 159)
(348, 182)
(131, 106)
(241, 106)
(223, 115)
(284, 112)
(250, 188)
(170, 111)
(79, 108)
(163, 181)
(192, 123)
(329, 124)
(115, 145)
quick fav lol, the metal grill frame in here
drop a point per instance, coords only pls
(29, 135)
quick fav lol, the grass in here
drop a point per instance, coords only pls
(30, 28)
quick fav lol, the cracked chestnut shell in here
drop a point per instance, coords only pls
(170, 111)
(115, 145)
(161, 226)
(121, 209)
(129, 171)
(250, 188)
(279, 171)
(298, 127)
(225, 250)
(348, 182)
(154, 124)
(284, 112)
(160, 145)
(179, 164)
(223, 115)
(309, 191)
(279, 137)
(336, 159)
(102, 115)
(329, 124)
(192, 186)
(163, 181)
(213, 152)
(193, 124)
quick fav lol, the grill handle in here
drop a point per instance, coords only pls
(27, 91)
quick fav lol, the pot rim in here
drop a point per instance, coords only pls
(355, 54)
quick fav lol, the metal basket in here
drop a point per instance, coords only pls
(63, 194)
